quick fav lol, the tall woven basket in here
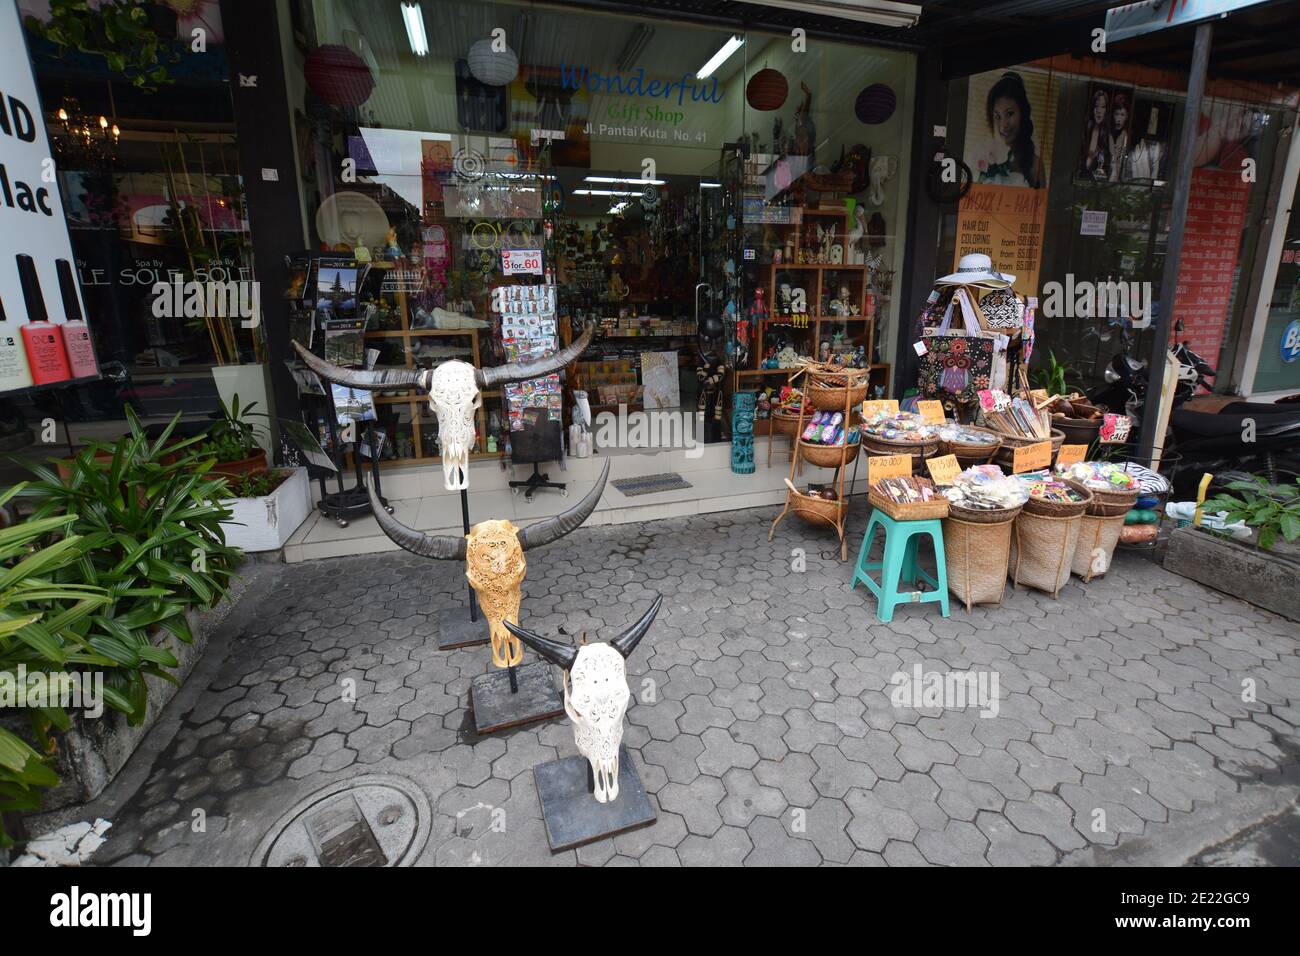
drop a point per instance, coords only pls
(1096, 546)
(977, 548)
(1042, 550)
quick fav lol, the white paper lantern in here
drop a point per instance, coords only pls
(491, 67)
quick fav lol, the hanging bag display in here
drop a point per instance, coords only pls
(961, 363)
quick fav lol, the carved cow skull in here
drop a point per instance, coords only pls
(455, 394)
(493, 553)
(595, 694)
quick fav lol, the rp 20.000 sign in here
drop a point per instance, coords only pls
(44, 338)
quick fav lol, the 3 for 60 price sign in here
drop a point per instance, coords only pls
(521, 262)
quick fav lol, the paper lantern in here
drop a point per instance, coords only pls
(490, 67)
(875, 104)
(338, 76)
(767, 90)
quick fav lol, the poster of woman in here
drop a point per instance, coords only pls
(1107, 133)
(1001, 128)
(1146, 159)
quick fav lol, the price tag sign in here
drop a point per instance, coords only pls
(1031, 457)
(876, 406)
(521, 262)
(943, 470)
(887, 466)
(931, 410)
(1069, 454)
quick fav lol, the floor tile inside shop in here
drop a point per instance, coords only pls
(762, 727)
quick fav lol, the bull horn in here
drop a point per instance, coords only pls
(443, 546)
(360, 378)
(522, 371)
(552, 529)
(562, 654)
(626, 642)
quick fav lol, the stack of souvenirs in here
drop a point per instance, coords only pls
(985, 488)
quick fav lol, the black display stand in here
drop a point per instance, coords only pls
(512, 696)
(347, 503)
(461, 626)
(572, 814)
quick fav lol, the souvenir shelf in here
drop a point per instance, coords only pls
(405, 417)
(806, 235)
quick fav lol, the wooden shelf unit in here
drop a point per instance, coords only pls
(769, 271)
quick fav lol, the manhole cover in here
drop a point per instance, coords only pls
(375, 820)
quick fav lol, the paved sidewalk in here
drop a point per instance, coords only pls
(1121, 734)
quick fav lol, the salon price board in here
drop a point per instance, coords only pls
(1031, 457)
(887, 466)
(521, 262)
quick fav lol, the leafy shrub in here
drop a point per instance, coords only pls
(1270, 510)
(233, 437)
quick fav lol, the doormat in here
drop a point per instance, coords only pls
(651, 484)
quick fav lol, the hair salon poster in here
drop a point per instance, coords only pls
(44, 339)
(1009, 122)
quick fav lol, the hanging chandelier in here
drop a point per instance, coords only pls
(81, 140)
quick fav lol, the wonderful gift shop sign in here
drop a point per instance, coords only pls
(44, 338)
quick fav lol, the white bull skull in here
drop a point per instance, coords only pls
(595, 694)
(455, 394)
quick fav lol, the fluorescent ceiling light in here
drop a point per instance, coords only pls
(632, 182)
(719, 58)
(605, 192)
(413, 17)
(710, 185)
(885, 13)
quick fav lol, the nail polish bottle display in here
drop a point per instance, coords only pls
(13, 360)
(76, 334)
(42, 339)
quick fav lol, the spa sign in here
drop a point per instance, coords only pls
(44, 339)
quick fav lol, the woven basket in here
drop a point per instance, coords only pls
(1042, 550)
(1060, 509)
(977, 554)
(1005, 455)
(1111, 504)
(835, 399)
(968, 452)
(818, 510)
(829, 391)
(982, 515)
(918, 450)
(785, 424)
(910, 510)
(1096, 546)
(827, 456)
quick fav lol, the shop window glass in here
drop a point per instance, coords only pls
(593, 139)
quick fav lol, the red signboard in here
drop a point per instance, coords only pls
(1216, 214)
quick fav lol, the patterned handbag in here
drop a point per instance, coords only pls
(959, 363)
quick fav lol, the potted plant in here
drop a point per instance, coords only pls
(1263, 569)
(266, 508)
(234, 441)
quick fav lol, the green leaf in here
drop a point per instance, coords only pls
(1290, 526)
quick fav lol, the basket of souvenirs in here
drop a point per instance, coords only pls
(908, 498)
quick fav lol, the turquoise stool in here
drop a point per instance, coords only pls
(901, 539)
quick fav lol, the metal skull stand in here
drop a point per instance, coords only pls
(455, 394)
(493, 552)
(596, 695)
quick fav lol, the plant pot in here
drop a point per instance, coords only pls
(266, 523)
(243, 466)
(249, 382)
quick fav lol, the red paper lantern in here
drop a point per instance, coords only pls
(338, 76)
(767, 90)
